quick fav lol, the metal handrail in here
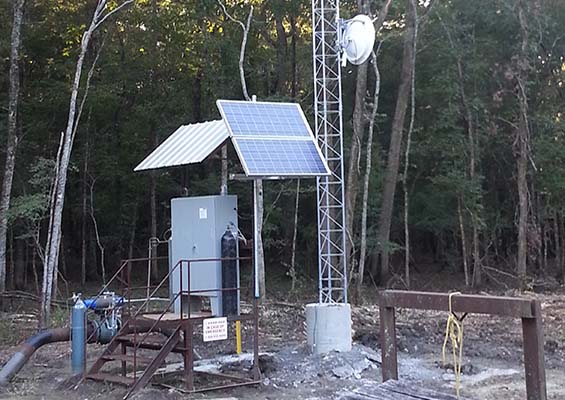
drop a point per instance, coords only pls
(150, 330)
(134, 316)
(157, 288)
(136, 345)
(124, 264)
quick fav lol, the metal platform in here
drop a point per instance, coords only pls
(170, 316)
(140, 349)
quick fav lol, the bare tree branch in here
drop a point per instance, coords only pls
(380, 19)
(98, 241)
(230, 17)
(245, 28)
(87, 87)
(368, 166)
(109, 14)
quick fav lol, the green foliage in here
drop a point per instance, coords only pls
(33, 207)
(164, 63)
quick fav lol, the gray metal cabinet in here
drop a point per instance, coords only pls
(197, 225)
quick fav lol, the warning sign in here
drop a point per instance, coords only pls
(215, 329)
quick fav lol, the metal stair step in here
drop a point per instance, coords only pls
(147, 344)
(146, 376)
(128, 358)
(114, 378)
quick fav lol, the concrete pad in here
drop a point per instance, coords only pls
(328, 327)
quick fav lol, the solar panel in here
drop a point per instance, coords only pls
(272, 139)
(281, 157)
(247, 118)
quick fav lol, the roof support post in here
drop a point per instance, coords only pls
(256, 223)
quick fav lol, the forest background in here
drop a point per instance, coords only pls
(465, 177)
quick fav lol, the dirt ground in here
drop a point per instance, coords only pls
(492, 368)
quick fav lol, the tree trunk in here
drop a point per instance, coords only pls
(64, 155)
(34, 269)
(62, 258)
(12, 268)
(471, 138)
(259, 233)
(545, 244)
(153, 210)
(25, 272)
(197, 96)
(463, 242)
(393, 162)
(84, 216)
(557, 240)
(561, 261)
(292, 270)
(561, 222)
(132, 232)
(293, 64)
(367, 178)
(359, 125)
(408, 145)
(224, 178)
(97, 233)
(281, 53)
(19, 265)
(258, 183)
(523, 148)
(13, 98)
(523, 195)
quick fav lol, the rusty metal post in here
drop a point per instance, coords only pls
(181, 289)
(128, 277)
(188, 291)
(388, 343)
(188, 356)
(124, 367)
(532, 330)
(188, 343)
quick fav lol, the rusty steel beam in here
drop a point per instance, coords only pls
(464, 303)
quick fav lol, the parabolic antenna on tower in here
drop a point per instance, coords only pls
(358, 39)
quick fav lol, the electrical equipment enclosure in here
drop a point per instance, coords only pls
(197, 226)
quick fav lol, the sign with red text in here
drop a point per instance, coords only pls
(215, 329)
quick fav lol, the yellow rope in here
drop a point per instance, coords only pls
(454, 333)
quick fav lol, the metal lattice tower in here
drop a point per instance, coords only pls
(329, 132)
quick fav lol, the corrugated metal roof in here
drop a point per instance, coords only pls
(189, 144)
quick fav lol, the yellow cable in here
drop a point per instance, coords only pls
(454, 333)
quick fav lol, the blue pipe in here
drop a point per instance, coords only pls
(103, 303)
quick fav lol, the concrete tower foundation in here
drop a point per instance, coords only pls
(328, 327)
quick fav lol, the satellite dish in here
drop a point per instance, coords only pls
(358, 39)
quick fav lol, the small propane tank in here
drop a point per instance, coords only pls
(78, 336)
(229, 273)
